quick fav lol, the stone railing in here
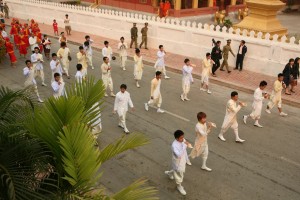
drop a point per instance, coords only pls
(178, 36)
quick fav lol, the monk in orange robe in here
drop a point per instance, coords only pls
(166, 8)
(23, 45)
(10, 50)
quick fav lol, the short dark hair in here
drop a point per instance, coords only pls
(280, 74)
(123, 86)
(157, 73)
(87, 36)
(86, 43)
(79, 67)
(160, 46)
(80, 47)
(186, 60)
(36, 48)
(66, 15)
(27, 61)
(54, 54)
(291, 60)
(178, 133)
(207, 54)
(263, 83)
(63, 44)
(218, 42)
(243, 41)
(62, 33)
(106, 42)
(104, 58)
(137, 50)
(122, 38)
(201, 115)
(45, 35)
(56, 74)
(234, 93)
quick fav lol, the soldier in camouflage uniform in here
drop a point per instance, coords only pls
(144, 36)
(226, 50)
(134, 35)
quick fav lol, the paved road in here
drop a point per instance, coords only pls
(266, 166)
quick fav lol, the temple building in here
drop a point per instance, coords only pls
(179, 8)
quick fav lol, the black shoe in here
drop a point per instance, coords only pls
(235, 69)
(222, 70)
(229, 72)
(240, 70)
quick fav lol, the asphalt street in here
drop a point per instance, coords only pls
(265, 167)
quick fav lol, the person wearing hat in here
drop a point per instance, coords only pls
(67, 25)
(226, 50)
(144, 36)
(134, 35)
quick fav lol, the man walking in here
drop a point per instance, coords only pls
(226, 50)
(106, 76)
(67, 25)
(134, 35)
(216, 56)
(144, 36)
(160, 63)
(241, 55)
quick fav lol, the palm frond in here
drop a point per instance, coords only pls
(123, 144)
(137, 191)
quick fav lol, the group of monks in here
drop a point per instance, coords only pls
(164, 8)
(20, 34)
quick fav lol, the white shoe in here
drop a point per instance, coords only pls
(124, 69)
(268, 111)
(146, 107)
(112, 94)
(283, 114)
(40, 100)
(105, 95)
(126, 130)
(222, 138)
(181, 190)
(93, 67)
(187, 99)
(208, 92)
(206, 168)
(160, 110)
(239, 140)
(202, 89)
(120, 125)
(166, 77)
(44, 84)
(258, 125)
(170, 176)
(181, 97)
(137, 85)
(245, 119)
(189, 163)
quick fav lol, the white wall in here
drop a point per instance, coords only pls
(180, 37)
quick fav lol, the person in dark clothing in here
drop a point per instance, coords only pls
(241, 55)
(216, 56)
(295, 73)
(288, 75)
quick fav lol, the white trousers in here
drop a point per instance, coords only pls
(178, 176)
(123, 61)
(186, 89)
(108, 83)
(162, 69)
(40, 73)
(90, 60)
(122, 119)
(157, 101)
(65, 67)
(234, 125)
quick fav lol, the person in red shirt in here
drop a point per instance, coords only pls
(10, 50)
(23, 45)
(55, 27)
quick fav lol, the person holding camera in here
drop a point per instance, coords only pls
(216, 56)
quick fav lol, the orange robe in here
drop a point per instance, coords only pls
(10, 50)
(23, 45)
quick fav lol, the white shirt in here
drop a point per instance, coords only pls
(107, 52)
(187, 77)
(58, 90)
(121, 102)
(38, 65)
(241, 49)
(55, 68)
(33, 43)
(179, 156)
(160, 59)
(67, 22)
(122, 48)
(88, 49)
(29, 76)
(78, 77)
(4, 34)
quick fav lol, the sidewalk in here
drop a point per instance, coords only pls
(246, 81)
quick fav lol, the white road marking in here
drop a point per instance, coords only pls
(173, 114)
(290, 161)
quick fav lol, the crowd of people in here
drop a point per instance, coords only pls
(28, 37)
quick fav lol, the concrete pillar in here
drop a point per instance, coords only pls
(177, 5)
(210, 3)
(195, 3)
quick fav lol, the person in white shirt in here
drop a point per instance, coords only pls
(82, 59)
(33, 42)
(122, 47)
(55, 66)
(259, 96)
(179, 160)
(37, 61)
(160, 63)
(3, 33)
(79, 76)
(88, 50)
(187, 79)
(121, 106)
(207, 64)
(67, 25)
(138, 67)
(63, 54)
(58, 86)
(107, 51)
(230, 120)
(155, 95)
(30, 80)
(200, 146)
(106, 76)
